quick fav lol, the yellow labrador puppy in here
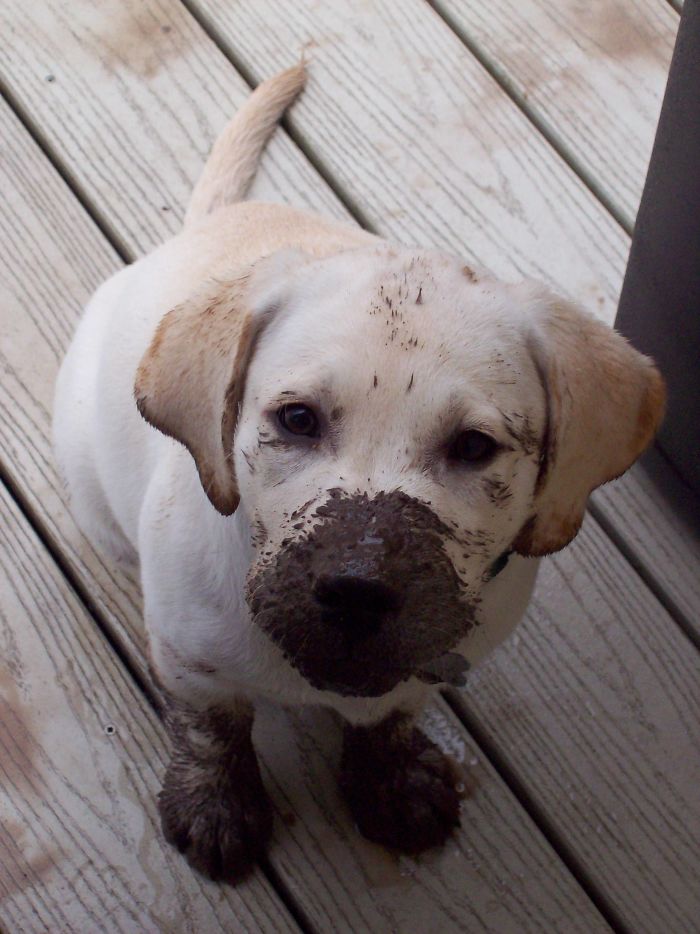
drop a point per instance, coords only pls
(336, 461)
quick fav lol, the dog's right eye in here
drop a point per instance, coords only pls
(298, 420)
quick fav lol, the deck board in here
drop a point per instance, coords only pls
(52, 259)
(592, 75)
(321, 858)
(80, 757)
(130, 96)
(656, 517)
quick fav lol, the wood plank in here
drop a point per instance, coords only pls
(52, 259)
(418, 135)
(130, 96)
(657, 518)
(80, 757)
(592, 76)
(512, 874)
(594, 704)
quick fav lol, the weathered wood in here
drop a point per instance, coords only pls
(656, 516)
(418, 134)
(592, 75)
(593, 703)
(130, 96)
(499, 868)
(52, 258)
(80, 754)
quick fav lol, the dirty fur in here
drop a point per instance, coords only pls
(347, 566)
(402, 790)
(388, 537)
(213, 805)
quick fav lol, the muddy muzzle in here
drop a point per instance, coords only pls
(366, 597)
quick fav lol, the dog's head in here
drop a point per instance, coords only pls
(392, 424)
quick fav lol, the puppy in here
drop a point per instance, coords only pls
(336, 461)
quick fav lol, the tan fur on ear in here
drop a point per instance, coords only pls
(190, 380)
(605, 402)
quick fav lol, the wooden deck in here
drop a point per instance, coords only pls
(515, 133)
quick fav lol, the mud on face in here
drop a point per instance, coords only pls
(366, 596)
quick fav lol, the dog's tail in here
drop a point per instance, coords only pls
(234, 159)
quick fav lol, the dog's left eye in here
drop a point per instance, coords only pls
(298, 419)
(473, 447)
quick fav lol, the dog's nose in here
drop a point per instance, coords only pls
(356, 603)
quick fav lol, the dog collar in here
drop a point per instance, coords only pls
(498, 565)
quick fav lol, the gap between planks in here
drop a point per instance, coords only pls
(107, 229)
(556, 840)
(501, 78)
(351, 204)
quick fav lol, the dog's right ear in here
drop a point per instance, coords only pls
(191, 380)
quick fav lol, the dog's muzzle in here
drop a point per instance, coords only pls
(367, 596)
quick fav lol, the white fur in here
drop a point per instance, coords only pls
(459, 357)
(134, 490)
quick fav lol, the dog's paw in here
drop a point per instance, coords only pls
(221, 826)
(404, 793)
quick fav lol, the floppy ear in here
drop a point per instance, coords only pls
(190, 381)
(605, 402)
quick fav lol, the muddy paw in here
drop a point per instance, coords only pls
(402, 790)
(221, 826)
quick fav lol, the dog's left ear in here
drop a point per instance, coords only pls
(605, 401)
(191, 380)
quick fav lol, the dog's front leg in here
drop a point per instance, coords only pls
(403, 791)
(213, 805)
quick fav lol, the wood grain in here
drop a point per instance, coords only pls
(656, 516)
(593, 703)
(51, 259)
(513, 876)
(130, 96)
(592, 75)
(414, 131)
(80, 757)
